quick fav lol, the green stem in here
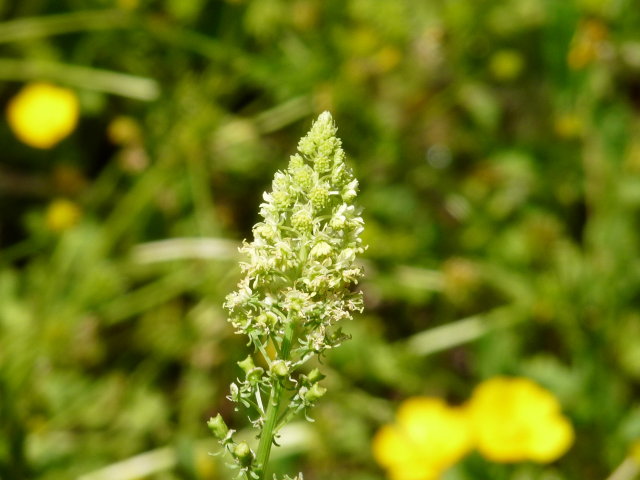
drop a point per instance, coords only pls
(45, 26)
(286, 417)
(269, 429)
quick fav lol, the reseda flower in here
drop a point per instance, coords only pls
(428, 437)
(41, 115)
(297, 285)
(514, 419)
(303, 253)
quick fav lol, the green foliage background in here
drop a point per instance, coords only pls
(497, 145)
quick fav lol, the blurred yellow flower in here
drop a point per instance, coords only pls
(634, 452)
(427, 438)
(41, 115)
(124, 130)
(514, 419)
(61, 215)
(588, 45)
(506, 64)
(127, 4)
(387, 58)
(568, 125)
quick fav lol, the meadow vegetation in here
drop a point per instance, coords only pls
(497, 148)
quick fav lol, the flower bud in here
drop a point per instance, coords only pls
(234, 393)
(267, 318)
(279, 369)
(303, 176)
(296, 161)
(247, 364)
(282, 199)
(315, 376)
(314, 393)
(319, 197)
(350, 191)
(218, 427)
(302, 220)
(322, 163)
(320, 249)
(242, 452)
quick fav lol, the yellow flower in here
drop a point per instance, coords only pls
(588, 45)
(427, 438)
(634, 452)
(514, 419)
(568, 125)
(61, 215)
(506, 64)
(41, 114)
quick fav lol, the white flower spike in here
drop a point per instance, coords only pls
(298, 283)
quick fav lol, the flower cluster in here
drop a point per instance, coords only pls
(301, 261)
(506, 420)
(298, 281)
(41, 115)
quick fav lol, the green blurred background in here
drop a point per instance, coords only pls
(497, 144)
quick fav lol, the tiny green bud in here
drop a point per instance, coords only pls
(350, 191)
(319, 197)
(295, 162)
(266, 231)
(218, 427)
(247, 364)
(279, 369)
(303, 176)
(282, 198)
(302, 220)
(267, 318)
(242, 452)
(255, 374)
(322, 163)
(315, 376)
(320, 249)
(315, 392)
(306, 145)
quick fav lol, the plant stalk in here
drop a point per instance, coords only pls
(269, 429)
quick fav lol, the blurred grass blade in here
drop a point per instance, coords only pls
(139, 466)
(150, 295)
(185, 248)
(283, 114)
(462, 331)
(125, 85)
(627, 470)
(297, 437)
(420, 278)
(37, 27)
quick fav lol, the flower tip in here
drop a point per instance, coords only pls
(325, 117)
(325, 123)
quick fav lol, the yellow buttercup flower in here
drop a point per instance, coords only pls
(514, 419)
(41, 114)
(61, 215)
(428, 437)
